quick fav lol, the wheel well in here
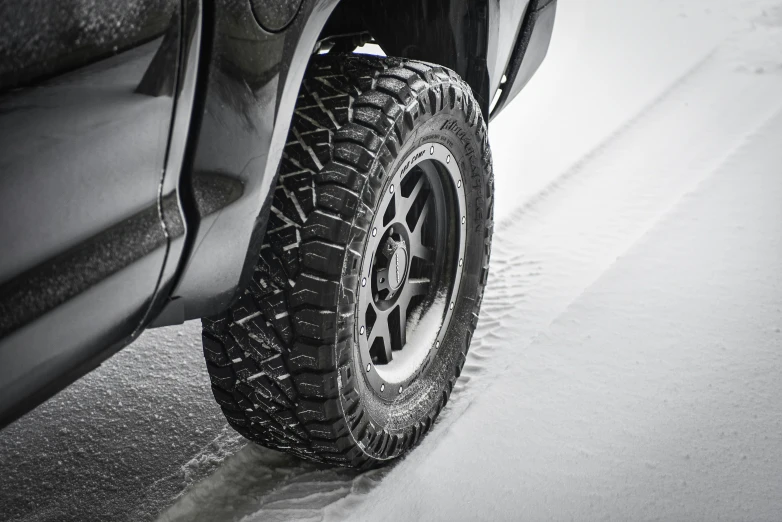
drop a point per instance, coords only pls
(452, 34)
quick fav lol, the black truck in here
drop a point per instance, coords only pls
(325, 211)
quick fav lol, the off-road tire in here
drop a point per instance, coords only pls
(282, 359)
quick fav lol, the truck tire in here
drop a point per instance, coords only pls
(347, 343)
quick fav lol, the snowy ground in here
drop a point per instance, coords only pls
(628, 356)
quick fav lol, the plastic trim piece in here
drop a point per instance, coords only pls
(42, 288)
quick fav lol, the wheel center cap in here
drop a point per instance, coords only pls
(397, 268)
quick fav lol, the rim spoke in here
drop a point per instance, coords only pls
(392, 210)
(428, 206)
(408, 201)
(381, 330)
(403, 304)
(417, 248)
(388, 348)
(413, 287)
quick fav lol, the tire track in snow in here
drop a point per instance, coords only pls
(550, 250)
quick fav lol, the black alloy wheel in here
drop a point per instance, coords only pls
(412, 269)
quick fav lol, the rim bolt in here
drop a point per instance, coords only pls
(461, 262)
(448, 159)
(369, 366)
(362, 328)
(391, 189)
(451, 307)
(431, 149)
(464, 220)
(400, 389)
(459, 184)
(438, 344)
(382, 387)
(364, 280)
(374, 231)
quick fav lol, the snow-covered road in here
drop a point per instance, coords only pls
(628, 356)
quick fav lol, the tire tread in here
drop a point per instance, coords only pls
(275, 368)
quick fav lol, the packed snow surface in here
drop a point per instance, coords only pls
(628, 356)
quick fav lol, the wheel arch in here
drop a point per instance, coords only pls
(454, 34)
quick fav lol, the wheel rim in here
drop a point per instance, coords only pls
(411, 269)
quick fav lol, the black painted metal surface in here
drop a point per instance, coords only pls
(87, 95)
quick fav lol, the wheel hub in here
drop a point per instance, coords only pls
(396, 275)
(392, 276)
